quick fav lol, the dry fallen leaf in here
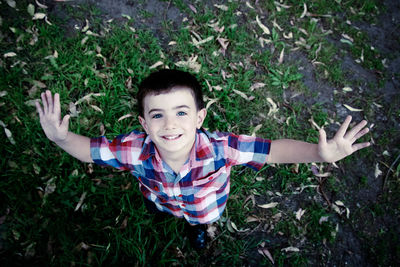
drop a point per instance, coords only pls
(9, 136)
(211, 231)
(9, 54)
(300, 213)
(124, 117)
(256, 86)
(257, 128)
(290, 249)
(37, 16)
(41, 5)
(83, 196)
(377, 171)
(351, 108)
(222, 7)
(269, 205)
(274, 108)
(157, 64)
(11, 3)
(304, 11)
(31, 9)
(323, 219)
(266, 253)
(281, 56)
(97, 108)
(262, 26)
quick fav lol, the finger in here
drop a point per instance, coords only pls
(57, 108)
(44, 102)
(356, 147)
(50, 101)
(39, 109)
(322, 137)
(356, 129)
(343, 128)
(360, 134)
(65, 122)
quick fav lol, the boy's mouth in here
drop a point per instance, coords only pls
(171, 137)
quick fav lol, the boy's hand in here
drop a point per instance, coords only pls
(342, 145)
(50, 117)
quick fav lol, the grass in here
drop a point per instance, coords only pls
(41, 185)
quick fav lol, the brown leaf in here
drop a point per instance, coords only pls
(124, 223)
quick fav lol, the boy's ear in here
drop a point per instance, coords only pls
(143, 123)
(201, 115)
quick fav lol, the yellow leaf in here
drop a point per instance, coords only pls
(351, 108)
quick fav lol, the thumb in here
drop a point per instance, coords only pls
(322, 137)
(65, 122)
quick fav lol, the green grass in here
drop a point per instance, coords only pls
(113, 227)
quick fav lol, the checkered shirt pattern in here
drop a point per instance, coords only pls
(200, 190)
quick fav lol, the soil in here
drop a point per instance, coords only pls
(356, 239)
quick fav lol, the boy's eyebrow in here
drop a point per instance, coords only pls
(159, 109)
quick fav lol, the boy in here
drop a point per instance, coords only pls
(183, 169)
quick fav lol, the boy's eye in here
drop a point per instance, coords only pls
(181, 113)
(156, 116)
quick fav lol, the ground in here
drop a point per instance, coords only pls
(370, 235)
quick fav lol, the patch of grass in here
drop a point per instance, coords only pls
(39, 194)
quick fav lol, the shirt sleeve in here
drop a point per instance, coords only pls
(247, 150)
(115, 153)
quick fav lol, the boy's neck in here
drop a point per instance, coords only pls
(176, 160)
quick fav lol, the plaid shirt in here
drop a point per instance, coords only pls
(200, 190)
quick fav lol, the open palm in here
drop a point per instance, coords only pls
(343, 143)
(50, 117)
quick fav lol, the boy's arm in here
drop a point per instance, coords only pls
(342, 145)
(56, 129)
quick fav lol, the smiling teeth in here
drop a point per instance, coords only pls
(171, 137)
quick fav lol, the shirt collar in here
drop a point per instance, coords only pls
(203, 148)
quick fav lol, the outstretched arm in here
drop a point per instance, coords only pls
(337, 148)
(56, 129)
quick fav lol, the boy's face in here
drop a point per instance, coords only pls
(171, 120)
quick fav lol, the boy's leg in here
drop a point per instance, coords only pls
(197, 233)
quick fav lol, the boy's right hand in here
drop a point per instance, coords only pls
(50, 117)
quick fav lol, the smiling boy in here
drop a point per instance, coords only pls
(181, 168)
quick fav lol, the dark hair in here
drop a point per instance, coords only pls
(163, 81)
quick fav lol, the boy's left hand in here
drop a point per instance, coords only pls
(342, 145)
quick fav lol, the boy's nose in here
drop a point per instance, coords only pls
(169, 122)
